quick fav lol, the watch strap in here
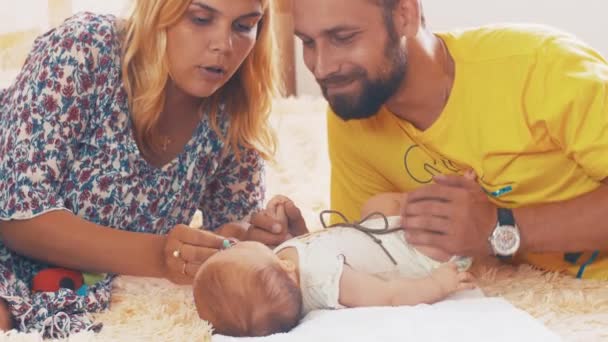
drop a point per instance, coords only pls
(505, 217)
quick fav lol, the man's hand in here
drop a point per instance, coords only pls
(268, 228)
(454, 215)
(295, 221)
(280, 221)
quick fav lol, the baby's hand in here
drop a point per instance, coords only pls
(283, 209)
(270, 225)
(276, 209)
(273, 204)
(451, 280)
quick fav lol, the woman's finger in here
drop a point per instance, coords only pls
(183, 270)
(190, 269)
(198, 237)
(195, 254)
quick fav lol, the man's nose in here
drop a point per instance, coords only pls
(324, 63)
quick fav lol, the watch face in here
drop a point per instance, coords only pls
(505, 240)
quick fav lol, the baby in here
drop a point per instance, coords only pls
(251, 290)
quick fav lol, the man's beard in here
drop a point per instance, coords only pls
(374, 92)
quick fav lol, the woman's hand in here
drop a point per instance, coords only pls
(186, 249)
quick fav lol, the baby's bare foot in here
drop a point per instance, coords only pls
(450, 279)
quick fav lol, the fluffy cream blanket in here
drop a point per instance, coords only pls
(155, 310)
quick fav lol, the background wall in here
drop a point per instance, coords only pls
(22, 20)
(588, 19)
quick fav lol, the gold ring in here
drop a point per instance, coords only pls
(184, 268)
(178, 253)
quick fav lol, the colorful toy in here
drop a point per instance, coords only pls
(53, 279)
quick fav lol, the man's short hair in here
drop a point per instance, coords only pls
(388, 7)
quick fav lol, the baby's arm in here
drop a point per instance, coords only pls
(362, 289)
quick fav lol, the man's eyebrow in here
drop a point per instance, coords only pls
(337, 29)
(330, 31)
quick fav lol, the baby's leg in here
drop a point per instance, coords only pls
(390, 204)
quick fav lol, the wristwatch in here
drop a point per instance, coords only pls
(505, 239)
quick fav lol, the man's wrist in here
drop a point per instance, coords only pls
(505, 239)
(522, 218)
(490, 227)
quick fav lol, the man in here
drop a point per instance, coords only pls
(524, 108)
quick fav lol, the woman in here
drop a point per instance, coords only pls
(111, 137)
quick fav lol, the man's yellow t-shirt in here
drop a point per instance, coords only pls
(528, 112)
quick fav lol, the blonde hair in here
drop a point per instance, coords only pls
(246, 97)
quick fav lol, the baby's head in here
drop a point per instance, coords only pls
(248, 291)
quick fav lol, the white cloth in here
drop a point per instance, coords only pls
(466, 320)
(323, 254)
